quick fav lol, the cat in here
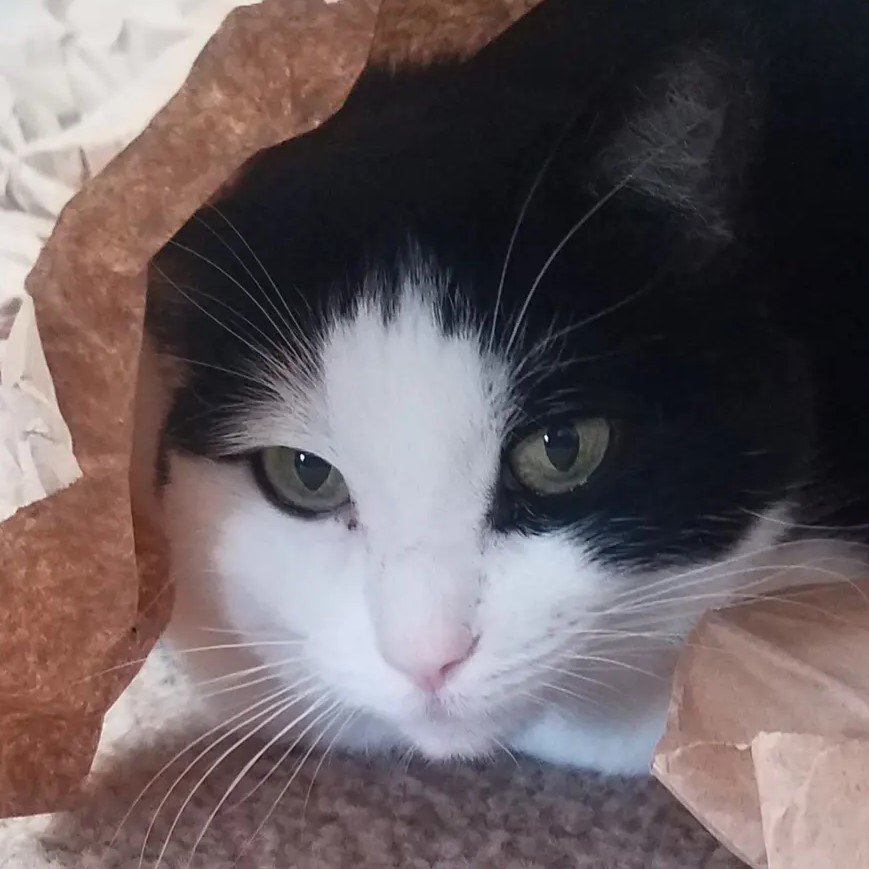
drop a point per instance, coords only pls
(484, 391)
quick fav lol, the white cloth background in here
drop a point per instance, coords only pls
(79, 79)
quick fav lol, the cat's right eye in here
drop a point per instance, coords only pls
(300, 481)
(560, 459)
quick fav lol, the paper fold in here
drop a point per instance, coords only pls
(767, 741)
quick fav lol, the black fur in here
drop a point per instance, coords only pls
(731, 356)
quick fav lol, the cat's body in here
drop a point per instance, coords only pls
(548, 459)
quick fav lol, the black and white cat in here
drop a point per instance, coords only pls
(489, 387)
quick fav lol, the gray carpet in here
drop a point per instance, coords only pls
(357, 814)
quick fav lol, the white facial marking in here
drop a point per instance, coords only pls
(443, 634)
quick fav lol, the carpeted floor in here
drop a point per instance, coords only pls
(357, 813)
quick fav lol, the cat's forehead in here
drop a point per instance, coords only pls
(401, 367)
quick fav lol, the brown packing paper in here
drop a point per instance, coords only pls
(75, 604)
(421, 30)
(767, 741)
(83, 595)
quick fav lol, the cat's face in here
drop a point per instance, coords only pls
(416, 602)
(458, 512)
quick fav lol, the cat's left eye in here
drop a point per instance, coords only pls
(558, 459)
(301, 481)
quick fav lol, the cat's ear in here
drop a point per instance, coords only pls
(687, 140)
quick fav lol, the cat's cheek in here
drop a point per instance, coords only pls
(305, 581)
(244, 566)
(538, 588)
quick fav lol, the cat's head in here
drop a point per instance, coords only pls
(478, 403)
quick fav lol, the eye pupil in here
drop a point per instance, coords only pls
(562, 447)
(311, 470)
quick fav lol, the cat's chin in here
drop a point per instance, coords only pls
(444, 729)
(442, 737)
(442, 743)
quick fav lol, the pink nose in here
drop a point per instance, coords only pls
(430, 668)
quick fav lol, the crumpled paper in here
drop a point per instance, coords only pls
(35, 445)
(767, 741)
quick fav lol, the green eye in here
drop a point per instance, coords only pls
(301, 481)
(559, 459)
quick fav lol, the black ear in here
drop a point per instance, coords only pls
(688, 138)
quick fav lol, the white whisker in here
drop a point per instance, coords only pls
(254, 760)
(304, 347)
(580, 676)
(248, 671)
(806, 526)
(292, 777)
(259, 262)
(708, 569)
(611, 662)
(505, 749)
(348, 720)
(242, 686)
(273, 699)
(769, 573)
(598, 205)
(270, 362)
(287, 752)
(282, 709)
(189, 651)
(520, 219)
(583, 698)
(553, 256)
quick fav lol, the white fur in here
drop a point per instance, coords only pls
(414, 421)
